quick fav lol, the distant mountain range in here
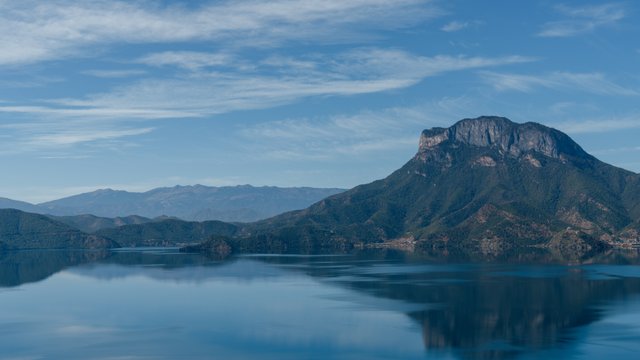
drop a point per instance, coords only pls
(193, 203)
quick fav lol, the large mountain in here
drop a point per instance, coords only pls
(485, 183)
(21, 230)
(194, 203)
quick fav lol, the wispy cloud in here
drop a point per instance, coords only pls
(595, 83)
(454, 26)
(32, 31)
(114, 73)
(95, 113)
(207, 92)
(365, 132)
(49, 136)
(582, 19)
(190, 60)
(73, 136)
(608, 151)
(600, 125)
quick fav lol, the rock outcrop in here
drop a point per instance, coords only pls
(506, 136)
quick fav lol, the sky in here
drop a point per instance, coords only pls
(135, 95)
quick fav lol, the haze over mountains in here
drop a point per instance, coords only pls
(195, 203)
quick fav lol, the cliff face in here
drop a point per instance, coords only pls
(504, 135)
(487, 183)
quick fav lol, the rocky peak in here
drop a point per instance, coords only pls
(503, 134)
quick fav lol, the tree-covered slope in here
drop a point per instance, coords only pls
(20, 230)
(91, 223)
(167, 233)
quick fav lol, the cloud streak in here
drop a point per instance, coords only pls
(600, 125)
(32, 31)
(112, 74)
(48, 136)
(365, 132)
(581, 20)
(75, 136)
(454, 26)
(189, 60)
(595, 83)
(271, 83)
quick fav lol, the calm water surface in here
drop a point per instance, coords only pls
(160, 304)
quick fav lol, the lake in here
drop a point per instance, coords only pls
(162, 304)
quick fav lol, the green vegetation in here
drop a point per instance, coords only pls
(167, 233)
(92, 223)
(20, 230)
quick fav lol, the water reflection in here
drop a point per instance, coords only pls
(509, 307)
(21, 267)
(495, 310)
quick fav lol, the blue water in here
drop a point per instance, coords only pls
(160, 304)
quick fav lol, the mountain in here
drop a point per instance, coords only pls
(193, 203)
(21, 230)
(19, 205)
(485, 183)
(91, 223)
(169, 232)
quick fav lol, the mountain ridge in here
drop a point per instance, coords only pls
(242, 203)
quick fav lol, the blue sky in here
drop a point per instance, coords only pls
(139, 94)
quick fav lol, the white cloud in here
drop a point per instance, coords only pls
(365, 132)
(208, 92)
(608, 151)
(114, 73)
(84, 330)
(595, 83)
(454, 26)
(49, 136)
(32, 31)
(600, 125)
(106, 118)
(75, 136)
(582, 19)
(190, 60)
(94, 113)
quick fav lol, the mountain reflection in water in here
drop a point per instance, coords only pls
(513, 307)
